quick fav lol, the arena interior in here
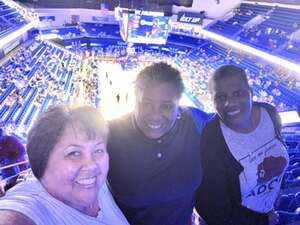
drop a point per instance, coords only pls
(89, 52)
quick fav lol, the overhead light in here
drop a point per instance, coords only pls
(253, 51)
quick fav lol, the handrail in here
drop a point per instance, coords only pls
(14, 164)
(7, 179)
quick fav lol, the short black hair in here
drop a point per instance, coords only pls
(225, 71)
(49, 127)
(161, 72)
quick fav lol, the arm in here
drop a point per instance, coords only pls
(9, 217)
(276, 119)
(199, 117)
(212, 198)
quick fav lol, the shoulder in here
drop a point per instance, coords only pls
(104, 189)
(10, 217)
(198, 117)
(197, 113)
(122, 122)
(24, 197)
(121, 128)
(213, 123)
(30, 187)
(270, 109)
(272, 112)
(212, 133)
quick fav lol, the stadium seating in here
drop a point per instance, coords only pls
(43, 72)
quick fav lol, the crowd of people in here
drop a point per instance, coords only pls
(261, 26)
(207, 61)
(39, 66)
(201, 62)
(152, 166)
(11, 18)
(155, 164)
(197, 64)
(55, 72)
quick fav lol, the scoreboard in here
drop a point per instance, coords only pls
(144, 27)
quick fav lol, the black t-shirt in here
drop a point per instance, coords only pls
(153, 181)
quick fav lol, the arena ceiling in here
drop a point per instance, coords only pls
(292, 2)
(111, 4)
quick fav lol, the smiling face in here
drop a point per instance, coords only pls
(156, 108)
(232, 99)
(76, 169)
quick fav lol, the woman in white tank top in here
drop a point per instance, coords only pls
(67, 153)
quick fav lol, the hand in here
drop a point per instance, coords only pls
(273, 217)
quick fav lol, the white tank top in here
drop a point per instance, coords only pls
(264, 159)
(33, 201)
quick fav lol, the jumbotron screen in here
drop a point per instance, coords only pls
(145, 27)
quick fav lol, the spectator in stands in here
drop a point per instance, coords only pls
(12, 152)
(243, 157)
(154, 151)
(67, 152)
(2, 188)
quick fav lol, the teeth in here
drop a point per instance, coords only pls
(152, 126)
(87, 181)
(232, 113)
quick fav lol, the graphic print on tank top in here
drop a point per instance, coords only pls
(264, 159)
